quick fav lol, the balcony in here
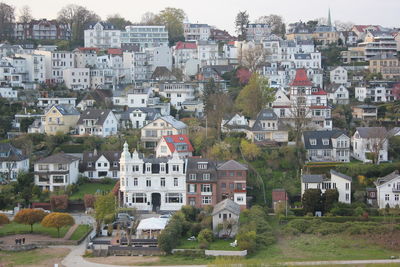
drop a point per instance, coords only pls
(396, 189)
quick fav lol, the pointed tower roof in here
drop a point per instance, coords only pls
(301, 79)
(329, 18)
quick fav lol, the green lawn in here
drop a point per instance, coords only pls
(33, 257)
(218, 244)
(81, 231)
(15, 228)
(91, 188)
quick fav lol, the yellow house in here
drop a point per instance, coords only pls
(60, 118)
(326, 35)
(386, 64)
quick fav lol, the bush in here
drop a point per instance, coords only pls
(82, 180)
(205, 237)
(89, 200)
(107, 180)
(247, 241)
(298, 212)
(300, 225)
(4, 219)
(59, 203)
(358, 211)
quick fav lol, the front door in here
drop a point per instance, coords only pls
(156, 201)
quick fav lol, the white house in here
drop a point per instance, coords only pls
(327, 146)
(12, 161)
(44, 102)
(338, 94)
(77, 78)
(338, 75)
(337, 181)
(370, 140)
(56, 172)
(97, 122)
(137, 118)
(226, 213)
(170, 144)
(360, 93)
(234, 123)
(178, 93)
(8, 92)
(133, 97)
(97, 165)
(267, 128)
(102, 35)
(35, 67)
(60, 60)
(388, 190)
(152, 184)
(196, 32)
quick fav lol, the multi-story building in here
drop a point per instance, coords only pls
(257, 31)
(76, 78)
(133, 98)
(338, 75)
(8, 75)
(378, 42)
(353, 55)
(183, 52)
(365, 112)
(98, 165)
(196, 32)
(97, 122)
(342, 183)
(55, 63)
(45, 102)
(378, 92)
(86, 57)
(139, 37)
(42, 29)
(60, 118)
(137, 118)
(325, 35)
(386, 64)
(388, 190)
(207, 52)
(299, 31)
(201, 180)
(166, 125)
(338, 94)
(12, 162)
(56, 172)
(171, 144)
(178, 93)
(8, 93)
(152, 184)
(102, 35)
(35, 67)
(368, 141)
(327, 146)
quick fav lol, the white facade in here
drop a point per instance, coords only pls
(61, 60)
(77, 78)
(339, 95)
(144, 36)
(360, 93)
(152, 184)
(35, 67)
(388, 190)
(177, 93)
(338, 75)
(363, 145)
(133, 98)
(196, 32)
(103, 124)
(207, 53)
(9, 93)
(12, 161)
(44, 102)
(102, 35)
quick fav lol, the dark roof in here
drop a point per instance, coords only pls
(10, 153)
(312, 178)
(372, 132)
(94, 114)
(319, 136)
(227, 204)
(387, 178)
(58, 158)
(341, 175)
(65, 109)
(231, 165)
(394, 131)
(106, 25)
(162, 73)
(151, 113)
(333, 87)
(93, 156)
(192, 168)
(265, 114)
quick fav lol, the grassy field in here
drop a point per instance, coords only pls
(15, 228)
(90, 188)
(80, 232)
(218, 244)
(37, 257)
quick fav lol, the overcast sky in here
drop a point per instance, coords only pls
(221, 13)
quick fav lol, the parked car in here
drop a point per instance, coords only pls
(125, 216)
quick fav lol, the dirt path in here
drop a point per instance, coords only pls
(70, 231)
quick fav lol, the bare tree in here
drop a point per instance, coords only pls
(148, 18)
(343, 26)
(25, 14)
(275, 22)
(300, 113)
(7, 18)
(228, 226)
(377, 141)
(253, 57)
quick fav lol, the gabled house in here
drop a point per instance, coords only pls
(267, 128)
(388, 190)
(56, 171)
(368, 141)
(279, 197)
(170, 144)
(338, 75)
(97, 165)
(234, 123)
(60, 118)
(226, 213)
(12, 161)
(338, 94)
(138, 117)
(97, 122)
(166, 125)
(336, 180)
(327, 146)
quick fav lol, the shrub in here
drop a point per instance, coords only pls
(58, 220)
(247, 241)
(300, 225)
(107, 180)
(206, 236)
(4, 219)
(29, 217)
(82, 180)
(59, 203)
(358, 211)
(298, 212)
(89, 200)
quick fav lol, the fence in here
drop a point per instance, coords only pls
(214, 253)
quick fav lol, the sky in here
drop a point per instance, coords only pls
(221, 13)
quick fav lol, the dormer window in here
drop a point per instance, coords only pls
(202, 165)
(115, 164)
(90, 164)
(162, 167)
(313, 142)
(148, 167)
(325, 142)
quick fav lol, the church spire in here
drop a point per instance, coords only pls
(329, 18)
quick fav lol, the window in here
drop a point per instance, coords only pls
(223, 186)
(202, 166)
(175, 168)
(313, 142)
(396, 197)
(90, 164)
(99, 164)
(58, 179)
(325, 142)
(347, 196)
(135, 182)
(115, 164)
(206, 176)
(162, 182)
(162, 168)
(115, 174)
(192, 188)
(176, 182)
(148, 167)
(173, 198)
(139, 198)
(148, 182)
(90, 174)
(387, 197)
(192, 176)
(135, 168)
(43, 167)
(231, 186)
(206, 200)
(206, 188)
(239, 199)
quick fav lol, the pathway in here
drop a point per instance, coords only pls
(70, 231)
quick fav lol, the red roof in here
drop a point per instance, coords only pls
(173, 140)
(279, 195)
(184, 45)
(114, 51)
(301, 78)
(320, 92)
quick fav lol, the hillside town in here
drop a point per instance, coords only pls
(167, 141)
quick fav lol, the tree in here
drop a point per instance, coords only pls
(104, 208)
(89, 200)
(254, 96)
(78, 17)
(25, 123)
(29, 217)
(249, 150)
(275, 22)
(205, 237)
(57, 220)
(330, 198)
(119, 22)
(59, 202)
(312, 200)
(301, 117)
(4, 219)
(377, 142)
(241, 22)
(253, 57)
(7, 18)
(343, 26)
(243, 75)
(24, 187)
(25, 14)
(172, 18)
(247, 241)
(148, 18)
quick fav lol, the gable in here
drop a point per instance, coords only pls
(53, 111)
(102, 159)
